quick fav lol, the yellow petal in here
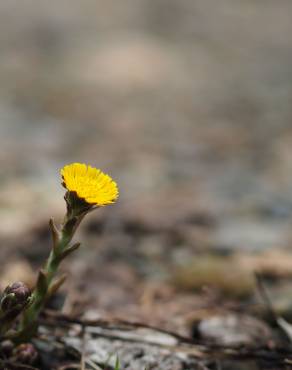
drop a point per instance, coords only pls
(90, 184)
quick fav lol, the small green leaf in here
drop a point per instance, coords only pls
(68, 251)
(41, 285)
(117, 364)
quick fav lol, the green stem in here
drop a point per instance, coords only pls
(46, 277)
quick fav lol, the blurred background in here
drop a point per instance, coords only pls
(186, 104)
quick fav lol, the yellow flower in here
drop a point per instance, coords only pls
(90, 184)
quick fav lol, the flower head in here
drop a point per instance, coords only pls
(90, 184)
(19, 289)
(15, 298)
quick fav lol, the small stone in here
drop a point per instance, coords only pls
(6, 348)
(234, 330)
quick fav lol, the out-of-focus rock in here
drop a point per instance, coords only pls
(223, 274)
(234, 330)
